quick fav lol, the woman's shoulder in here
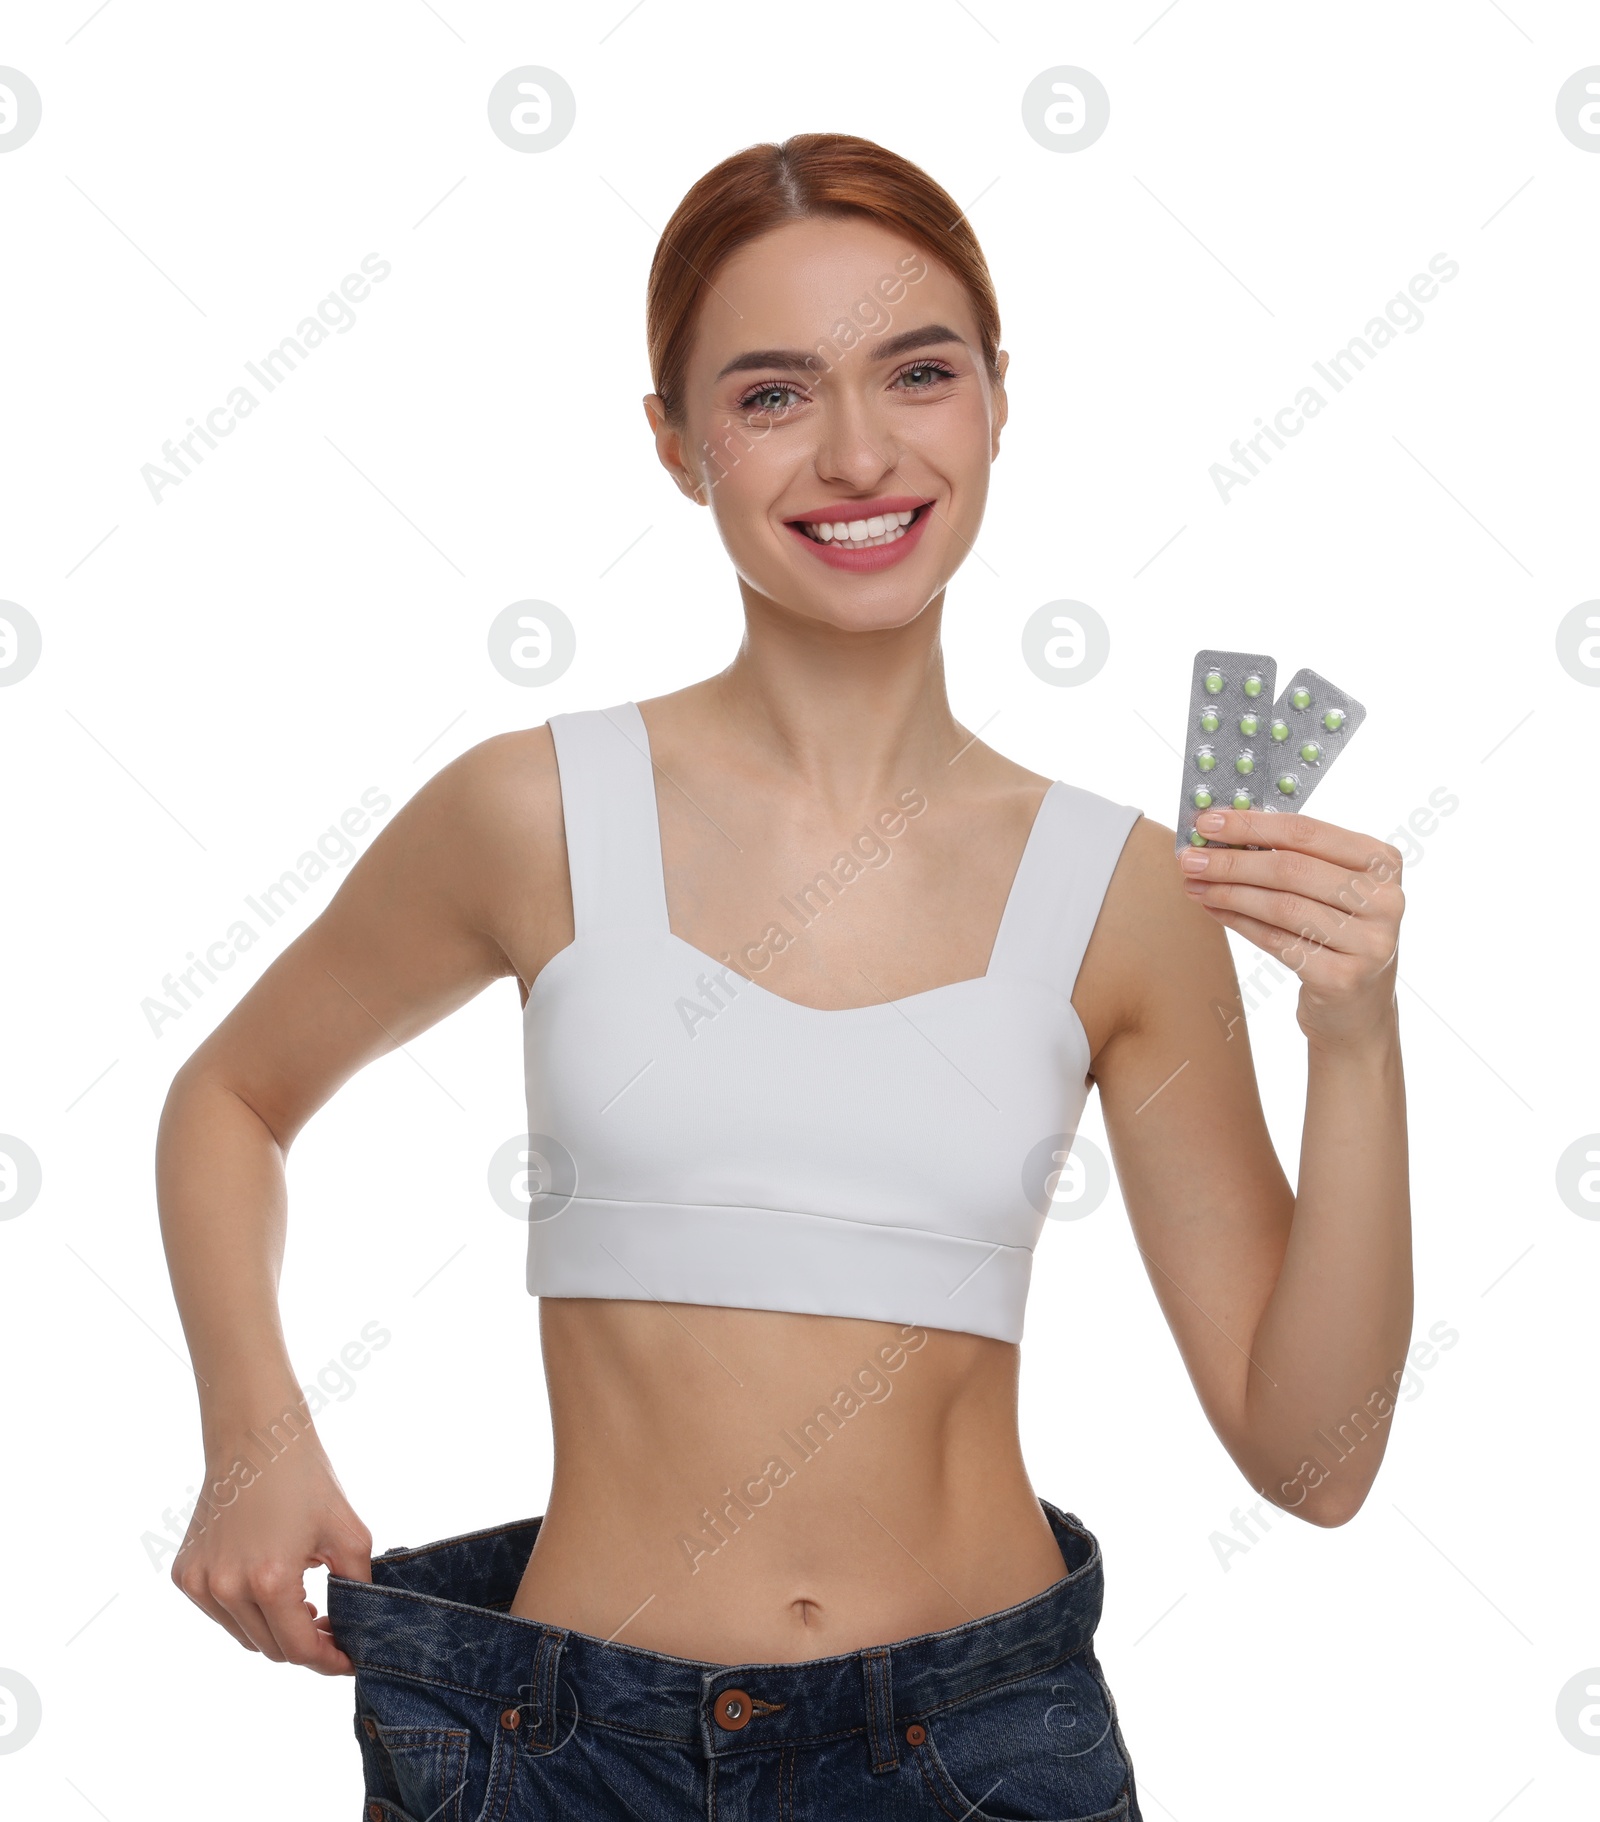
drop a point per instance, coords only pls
(1149, 857)
(486, 832)
(487, 825)
(1151, 942)
(1008, 777)
(506, 778)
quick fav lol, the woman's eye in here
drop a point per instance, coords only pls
(922, 375)
(767, 398)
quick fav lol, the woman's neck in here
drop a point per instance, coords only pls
(844, 711)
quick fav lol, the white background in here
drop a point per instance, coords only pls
(224, 673)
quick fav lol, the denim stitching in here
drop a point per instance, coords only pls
(1119, 1810)
(502, 1776)
(446, 1743)
(404, 1554)
(1023, 1676)
(971, 1813)
(1116, 1728)
(452, 1775)
(428, 1682)
(546, 1661)
(876, 1669)
(806, 1739)
(650, 1733)
(936, 1790)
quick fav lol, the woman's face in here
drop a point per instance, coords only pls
(838, 420)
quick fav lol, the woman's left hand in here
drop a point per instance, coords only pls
(1326, 901)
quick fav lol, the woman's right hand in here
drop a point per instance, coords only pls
(413, 932)
(271, 1517)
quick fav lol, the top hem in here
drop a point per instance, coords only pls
(769, 1259)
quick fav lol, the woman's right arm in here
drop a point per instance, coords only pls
(469, 873)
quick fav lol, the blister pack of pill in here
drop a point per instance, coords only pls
(1243, 750)
(1311, 723)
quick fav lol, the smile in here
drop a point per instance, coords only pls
(870, 541)
(861, 534)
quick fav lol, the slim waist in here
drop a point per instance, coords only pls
(438, 1615)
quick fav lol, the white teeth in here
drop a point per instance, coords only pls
(860, 534)
(888, 537)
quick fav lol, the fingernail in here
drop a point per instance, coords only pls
(1210, 822)
(1193, 861)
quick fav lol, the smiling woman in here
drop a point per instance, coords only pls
(730, 1213)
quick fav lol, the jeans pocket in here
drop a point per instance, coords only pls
(1043, 1749)
(412, 1774)
(379, 1810)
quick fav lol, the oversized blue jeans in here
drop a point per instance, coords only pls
(467, 1714)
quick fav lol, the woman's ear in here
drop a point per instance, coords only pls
(670, 451)
(1002, 360)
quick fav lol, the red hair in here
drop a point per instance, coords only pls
(765, 186)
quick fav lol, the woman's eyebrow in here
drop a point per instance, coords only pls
(930, 337)
(904, 343)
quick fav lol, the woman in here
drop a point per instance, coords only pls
(814, 984)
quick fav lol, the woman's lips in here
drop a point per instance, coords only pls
(870, 557)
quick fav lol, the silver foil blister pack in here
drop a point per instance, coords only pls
(1311, 723)
(1244, 749)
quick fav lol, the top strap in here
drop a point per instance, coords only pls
(608, 802)
(1061, 882)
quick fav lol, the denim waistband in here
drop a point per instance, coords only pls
(436, 1615)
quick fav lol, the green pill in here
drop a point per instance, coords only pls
(1214, 682)
(1206, 760)
(1279, 730)
(1311, 752)
(1301, 698)
(1252, 686)
(1202, 799)
(1211, 721)
(1196, 839)
(1288, 784)
(1241, 800)
(1333, 720)
(1249, 724)
(1244, 763)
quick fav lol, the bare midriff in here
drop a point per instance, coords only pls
(736, 1485)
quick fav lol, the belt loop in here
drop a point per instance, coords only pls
(880, 1708)
(542, 1688)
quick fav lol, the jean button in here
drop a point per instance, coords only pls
(510, 1718)
(371, 1727)
(375, 1812)
(915, 1735)
(732, 1709)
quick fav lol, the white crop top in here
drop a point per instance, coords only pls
(716, 1143)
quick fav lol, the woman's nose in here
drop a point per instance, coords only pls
(854, 446)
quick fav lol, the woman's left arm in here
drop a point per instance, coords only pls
(1293, 1310)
